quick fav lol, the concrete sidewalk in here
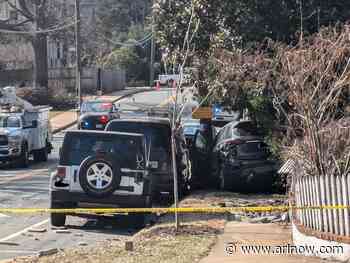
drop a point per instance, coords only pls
(243, 233)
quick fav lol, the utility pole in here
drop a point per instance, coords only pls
(36, 28)
(151, 77)
(78, 56)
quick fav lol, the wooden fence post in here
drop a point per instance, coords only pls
(323, 199)
(318, 202)
(301, 189)
(345, 184)
(334, 203)
(329, 202)
(305, 212)
(313, 203)
(340, 202)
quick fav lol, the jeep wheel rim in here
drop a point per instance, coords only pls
(99, 176)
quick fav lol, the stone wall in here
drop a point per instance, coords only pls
(64, 78)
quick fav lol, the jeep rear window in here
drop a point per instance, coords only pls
(78, 147)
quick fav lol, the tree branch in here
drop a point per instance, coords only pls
(14, 7)
(25, 10)
(6, 26)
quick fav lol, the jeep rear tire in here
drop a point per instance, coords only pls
(23, 161)
(57, 219)
(137, 220)
(223, 182)
(41, 155)
(100, 176)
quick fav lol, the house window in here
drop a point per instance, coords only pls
(13, 16)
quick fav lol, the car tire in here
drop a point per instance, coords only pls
(222, 181)
(57, 219)
(92, 184)
(137, 220)
(41, 155)
(24, 158)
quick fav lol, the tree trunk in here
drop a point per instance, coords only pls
(40, 73)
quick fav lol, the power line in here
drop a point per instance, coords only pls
(137, 42)
(38, 31)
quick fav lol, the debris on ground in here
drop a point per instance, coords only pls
(229, 199)
(162, 243)
(156, 244)
(48, 252)
(62, 231)
(7, 243)
(37, 230)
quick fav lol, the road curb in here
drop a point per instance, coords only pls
(132, 92)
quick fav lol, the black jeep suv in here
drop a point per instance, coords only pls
(101, 169)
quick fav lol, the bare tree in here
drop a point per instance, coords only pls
(34, 19)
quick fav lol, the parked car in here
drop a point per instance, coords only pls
(241, 159)
(94, 115)
(25, 130)
(157, 132)
(101, 169)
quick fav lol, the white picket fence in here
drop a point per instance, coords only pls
(318, 191)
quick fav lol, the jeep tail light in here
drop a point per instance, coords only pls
(61, 172)
(104, 119)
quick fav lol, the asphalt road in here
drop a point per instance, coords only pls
(29, 188)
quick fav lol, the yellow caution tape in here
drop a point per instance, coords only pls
(209, 210)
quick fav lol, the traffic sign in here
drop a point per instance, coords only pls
(203, 113)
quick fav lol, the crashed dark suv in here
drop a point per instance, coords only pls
(100, 169)
(241, 159)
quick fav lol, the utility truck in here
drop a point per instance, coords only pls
(24, 130)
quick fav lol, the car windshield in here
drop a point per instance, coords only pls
(77, 148)
(9, 122)
(96, 107)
